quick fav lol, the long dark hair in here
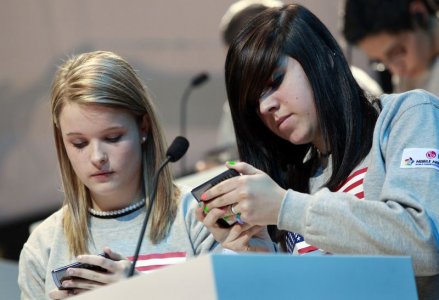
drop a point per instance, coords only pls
(346, 116)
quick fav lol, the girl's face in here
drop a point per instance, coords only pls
(287, 107)
(405, 54)
(104, 147)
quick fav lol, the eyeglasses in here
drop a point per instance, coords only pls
(394, 55)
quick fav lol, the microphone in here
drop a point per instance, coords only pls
(196, 81)
(177, 149)
(199, 79)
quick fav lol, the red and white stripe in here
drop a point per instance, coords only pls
(150, 262)
(303, 248)
(354, 184)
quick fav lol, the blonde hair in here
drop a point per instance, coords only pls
(105, 78)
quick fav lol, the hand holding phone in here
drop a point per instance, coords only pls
(59, 275)
(199, 190)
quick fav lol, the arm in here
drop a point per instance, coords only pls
(31, 275)
(400, 212)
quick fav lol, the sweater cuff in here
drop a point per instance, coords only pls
(292, 213)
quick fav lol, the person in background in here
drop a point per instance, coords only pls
(334, 169)
(232, 22)
(234, 19)
(400, 35)
(109, 144)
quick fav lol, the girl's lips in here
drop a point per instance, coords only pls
(102, 177)
(102, 174)
(281, 120)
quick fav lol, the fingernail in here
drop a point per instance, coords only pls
(238, 219)
(226, 218)
(206, 209)
(231, 162)
(200, 204)
(203, 196)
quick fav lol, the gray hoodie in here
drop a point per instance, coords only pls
(399, 214)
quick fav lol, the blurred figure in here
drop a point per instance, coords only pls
(400, 35)
(234, 19)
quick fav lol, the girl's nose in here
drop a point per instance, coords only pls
(99, 157)
(269, 105)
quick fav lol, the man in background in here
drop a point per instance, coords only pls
(399, 35)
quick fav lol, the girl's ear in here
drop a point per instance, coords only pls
(144, 125)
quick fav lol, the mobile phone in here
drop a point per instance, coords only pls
(59, 274)
(199, 190)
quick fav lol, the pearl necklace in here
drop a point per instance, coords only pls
(116, 213)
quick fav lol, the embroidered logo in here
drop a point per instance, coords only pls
(420, 158)
(409, 161)
(431, 154)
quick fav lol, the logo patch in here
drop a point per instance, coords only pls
(431, 154)
(420, 158)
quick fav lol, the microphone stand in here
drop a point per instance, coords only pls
(183, 114)
(196, 81)
(145, 221)
(177, 149)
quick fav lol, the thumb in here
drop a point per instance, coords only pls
(243, 168)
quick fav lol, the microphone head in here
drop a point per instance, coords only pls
(177, 149)
(200, 79)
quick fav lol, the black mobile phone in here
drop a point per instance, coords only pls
(199, 190)
(59, 275)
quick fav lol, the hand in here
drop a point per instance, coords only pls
(84, 279)
(254, 194)
(62, 294)
(237, 237)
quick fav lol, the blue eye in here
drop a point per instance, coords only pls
(274, 83)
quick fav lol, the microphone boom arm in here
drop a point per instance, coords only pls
(196, 81)
(145, 221)
(175, 151)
